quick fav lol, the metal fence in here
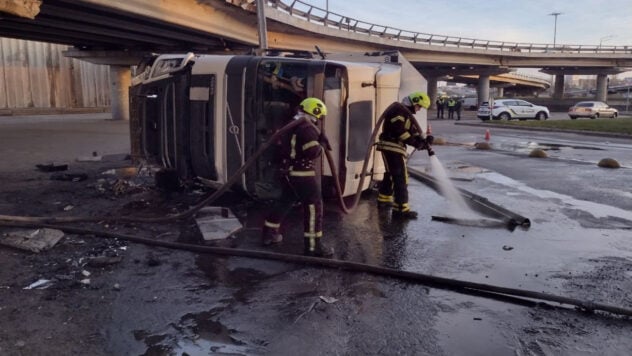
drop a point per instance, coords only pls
(330, 19)
(37, 75)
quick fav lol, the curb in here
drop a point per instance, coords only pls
(544, 129)
(52, 111)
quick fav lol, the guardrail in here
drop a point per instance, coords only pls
(543, 78)
(330, 19)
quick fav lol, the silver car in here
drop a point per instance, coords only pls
(592, 109)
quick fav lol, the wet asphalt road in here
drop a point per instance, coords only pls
(578, 246)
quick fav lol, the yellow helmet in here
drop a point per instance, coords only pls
(314, 107)
(420, 98)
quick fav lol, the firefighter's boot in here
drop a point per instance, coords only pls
(402, 211)
(270, 236)
(315, 248)
(409, 214)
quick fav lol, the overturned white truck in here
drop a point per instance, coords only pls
(205, 115)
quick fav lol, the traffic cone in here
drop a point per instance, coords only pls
(487, 135)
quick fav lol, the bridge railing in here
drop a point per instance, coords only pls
(330, 19)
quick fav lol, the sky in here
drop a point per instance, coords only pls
(582, 22)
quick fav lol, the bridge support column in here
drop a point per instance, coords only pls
(483, 88)
(602, 87)
(500, 92)
(432, 90)
(558, 90)
(120, 81)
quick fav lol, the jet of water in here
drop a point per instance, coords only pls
(457, 207)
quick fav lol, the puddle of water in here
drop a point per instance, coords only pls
(529, 146)
(595, 209)
(195, 334)
(457, 207)
(468, 329)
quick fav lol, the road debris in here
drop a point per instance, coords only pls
(103, 261)
(217, 223)
(51, 167)
(94, 158)
(32, 240)
(328, 300)
(69, 177)
(40, 284)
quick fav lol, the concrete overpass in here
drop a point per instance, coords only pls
(121, 32)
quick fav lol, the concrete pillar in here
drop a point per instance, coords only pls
(432, 90)
(483, 88)
(558, 90)
(602, 87)
(120, 81)
(500, 92)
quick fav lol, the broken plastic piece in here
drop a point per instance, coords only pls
(51, 167)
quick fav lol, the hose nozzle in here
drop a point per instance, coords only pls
(431, 152)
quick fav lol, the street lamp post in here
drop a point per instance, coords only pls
(555, 14)
(604, 39)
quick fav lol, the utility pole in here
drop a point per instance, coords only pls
(261, 23)
(556, 14)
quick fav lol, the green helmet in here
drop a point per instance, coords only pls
(314, 107)
(420, 98)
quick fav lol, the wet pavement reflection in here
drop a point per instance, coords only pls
(577, 245)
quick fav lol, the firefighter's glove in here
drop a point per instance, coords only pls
(422, 144)
(322, 139)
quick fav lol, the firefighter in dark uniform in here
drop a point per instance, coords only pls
(300, 180)
(397, 132)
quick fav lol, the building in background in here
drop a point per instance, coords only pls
(37, 76)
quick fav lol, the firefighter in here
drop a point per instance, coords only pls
(397, 132)
(300, 180)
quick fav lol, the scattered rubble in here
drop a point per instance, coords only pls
(217, 223)
(34, 240)
(69, 177)
(40, 284)
(51, 167)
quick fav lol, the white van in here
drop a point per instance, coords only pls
(470, 103)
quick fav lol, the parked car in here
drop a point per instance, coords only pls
(592, 109)
(508, 109)
(470, 103)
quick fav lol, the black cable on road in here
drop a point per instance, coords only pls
(428, 280)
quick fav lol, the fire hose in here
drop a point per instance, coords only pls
(479, 289)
